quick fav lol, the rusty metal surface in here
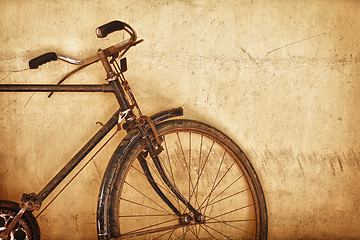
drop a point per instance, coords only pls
(55, 88)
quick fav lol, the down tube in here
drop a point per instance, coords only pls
(78, 157)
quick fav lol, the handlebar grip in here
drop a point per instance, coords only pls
(47, 57)
(108, 28)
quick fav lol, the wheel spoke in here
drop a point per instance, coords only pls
(142, 205)
(217, 231)
(233, 221)
(186, 164)
(230, 196)
(160, 186)
(170, 231)
(146, 230)
(191, 192)
(202, 168)
(235, 210)
(227, 224)
(191, 230)
(170, 165)
(146, 197)
(146, 215)
(183, 234)
(190, 165)
(213, 185)
(212, 236)
(222, 199)
(165, 186)
(217, 184)
(199, 167)
(227, 188)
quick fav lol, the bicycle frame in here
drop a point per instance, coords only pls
(112, 86)
(144, 125)
(80, 155)
(148, 140)
(33, 201)
(92, 143)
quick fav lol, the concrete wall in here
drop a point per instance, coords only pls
(279, 77)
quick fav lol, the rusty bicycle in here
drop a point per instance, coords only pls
(167, 179)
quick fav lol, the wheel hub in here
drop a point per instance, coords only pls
(197, 218)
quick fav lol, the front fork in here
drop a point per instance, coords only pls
(154, 148)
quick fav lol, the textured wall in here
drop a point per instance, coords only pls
(279, 77)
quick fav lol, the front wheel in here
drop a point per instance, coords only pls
(208, 169)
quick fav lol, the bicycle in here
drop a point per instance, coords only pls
(167, 179)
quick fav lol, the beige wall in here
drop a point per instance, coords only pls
(279, 77)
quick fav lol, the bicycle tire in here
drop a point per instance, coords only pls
(27, 228)
(136, 211)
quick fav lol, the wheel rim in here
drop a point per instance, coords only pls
(212, 179)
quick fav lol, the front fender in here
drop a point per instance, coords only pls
(111, 169)
(170, 113)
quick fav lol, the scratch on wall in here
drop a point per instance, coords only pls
(28, 100)
(250, 57)
(292, 43)
(340, 164)
(6, 77)
(299, 162)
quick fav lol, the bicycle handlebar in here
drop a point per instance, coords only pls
(47, 57)
(101, 32)
(113, 26)
(108, 28)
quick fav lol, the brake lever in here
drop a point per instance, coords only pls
(85, 63)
